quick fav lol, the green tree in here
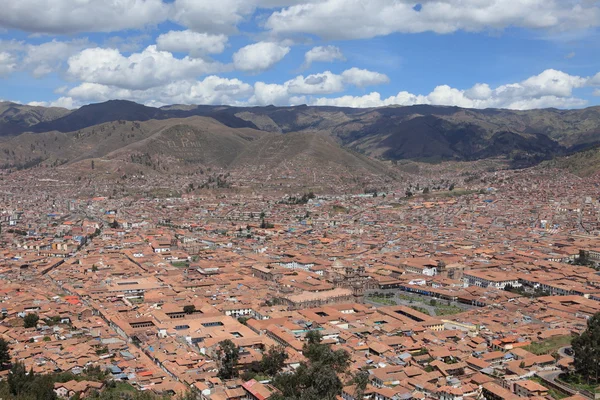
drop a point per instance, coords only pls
(18, 379)
(273, 360)
(31, 320)
(361, 380)
(228, 355)
(189, 309)
(42, 387)
(586, 349)
(318, 378)
(4, 354)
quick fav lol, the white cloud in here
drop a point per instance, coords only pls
(353, 19)
(596, 92)
(372, 99)
(68, 16)
(259, 56)
(64, 102)
(210, 90)
(44, 58)
(553, 82)
(595, 80)
(314, 84)
(362, 77)
(551, 88)
(220, 16)
(49, 57)
(479, 91)
(270, 93)
(191, 42)
(323, 83)
(323, 54)
(8, 63)
(143, 70)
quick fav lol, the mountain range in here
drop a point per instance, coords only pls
(231, 137)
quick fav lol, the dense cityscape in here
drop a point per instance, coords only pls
(450, 293)
(299, 200)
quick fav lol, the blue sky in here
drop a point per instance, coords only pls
(518, 54)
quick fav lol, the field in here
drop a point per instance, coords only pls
(549, 346)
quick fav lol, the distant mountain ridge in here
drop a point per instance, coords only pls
(420, 132)
(18, 118)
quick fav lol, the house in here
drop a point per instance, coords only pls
(66, 390)
(529, 388)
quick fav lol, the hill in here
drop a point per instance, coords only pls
(191, 146)
(421, 132)
(584, 163)
(17, 118)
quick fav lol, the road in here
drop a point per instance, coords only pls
(550, 378)
(562, 353)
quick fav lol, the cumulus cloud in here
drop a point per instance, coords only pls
(323, 83)
(322, 54)
(67, 16)
(8, 63)
(49, 57)
(210, 90)
(362, 77)
(354, 19)
(191, 42)
(222, 16)
(551, 88)
(144, 70)
(212, 16)
(595, 80)
(270, 93)
(63, 102)
(314, 84)
(259, 56)
(44, 58)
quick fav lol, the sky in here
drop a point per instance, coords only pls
(517, 54)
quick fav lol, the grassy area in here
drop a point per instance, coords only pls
(123, 387)
(440, 306)
(575, 381)
(420, 309)
(339, 209)
(448, 310)
(180, 264)
(382, 300)
(550, 345)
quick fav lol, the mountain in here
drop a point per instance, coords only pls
(584, 163)
(186, 146)
(421, 132)
(17, 118)
(123, 110)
